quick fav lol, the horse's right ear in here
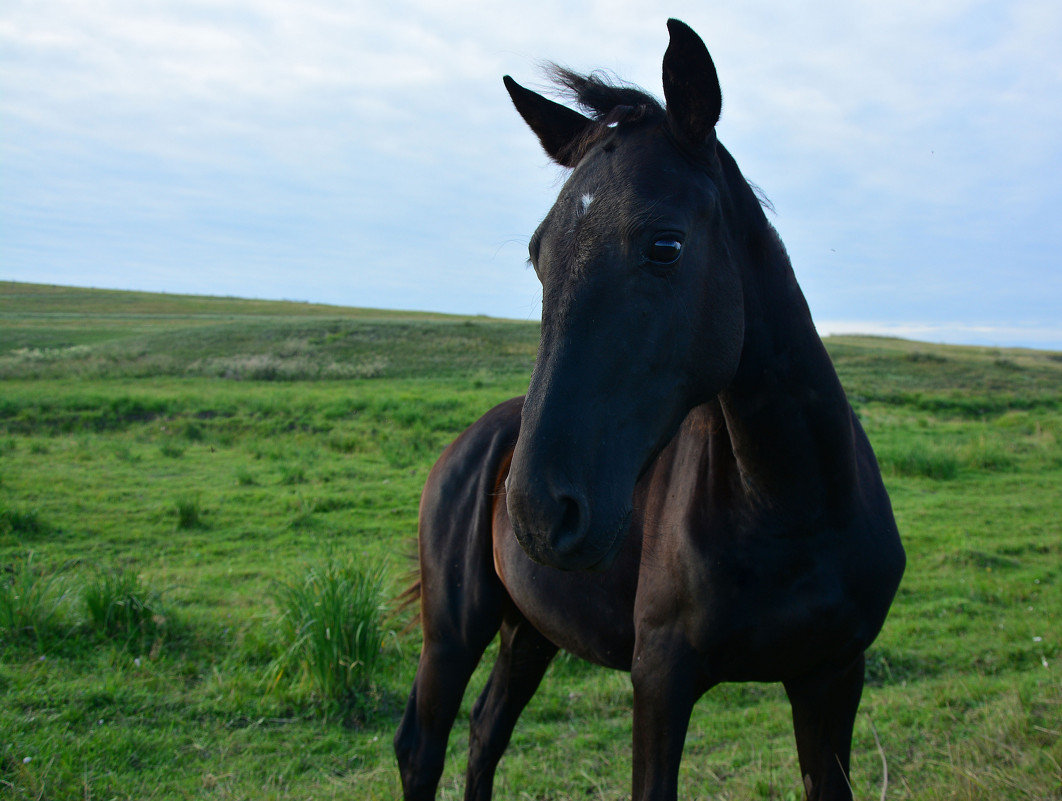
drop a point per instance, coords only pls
(691, 85)
(557, 127)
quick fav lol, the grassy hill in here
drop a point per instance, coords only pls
(49, 331)
(56, 331)
(215, 447)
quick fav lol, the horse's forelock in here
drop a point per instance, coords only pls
(599, 93)
(606, 100)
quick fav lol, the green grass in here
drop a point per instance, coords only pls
(118, 410)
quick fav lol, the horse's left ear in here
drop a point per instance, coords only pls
(691, 85)
(558, 127)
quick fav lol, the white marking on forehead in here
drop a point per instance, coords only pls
(584, 203)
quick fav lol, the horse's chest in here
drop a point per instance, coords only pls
(755, 606)
(588, 614)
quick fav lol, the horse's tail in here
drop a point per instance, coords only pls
(409, 597)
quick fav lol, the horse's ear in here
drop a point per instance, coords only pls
(558, 127)
(691, 85)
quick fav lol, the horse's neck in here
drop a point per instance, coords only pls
(787, 417)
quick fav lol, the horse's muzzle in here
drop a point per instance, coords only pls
(555, 526)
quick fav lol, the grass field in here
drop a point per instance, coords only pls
(214, 450)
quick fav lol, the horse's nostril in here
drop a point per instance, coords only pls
(571, 528)
(551, 519)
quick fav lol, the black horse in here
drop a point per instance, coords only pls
(685, 492)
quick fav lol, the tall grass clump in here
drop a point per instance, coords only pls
(29, 605)
(244, 477)
(120, 607)
(189, 513)
(292, 474)
(985, 454)
(331, 629)
(920, 460)
(171, 449)
(21, 522)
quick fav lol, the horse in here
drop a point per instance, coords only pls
(684, 492)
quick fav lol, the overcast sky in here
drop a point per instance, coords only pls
(367, 154)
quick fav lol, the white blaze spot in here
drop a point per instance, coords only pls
(584, 203)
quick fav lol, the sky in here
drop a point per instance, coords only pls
(366, 153)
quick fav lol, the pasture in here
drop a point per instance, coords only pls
(215, 448)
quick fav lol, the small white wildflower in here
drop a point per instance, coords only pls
(27, 760)
(137, 661)
(1043, 661)
(1038, 639)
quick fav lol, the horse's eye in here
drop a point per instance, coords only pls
(665, 251)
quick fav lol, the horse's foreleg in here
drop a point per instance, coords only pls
(665, 690)
(824, 710)
(523, 656)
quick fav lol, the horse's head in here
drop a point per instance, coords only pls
(642, 299)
